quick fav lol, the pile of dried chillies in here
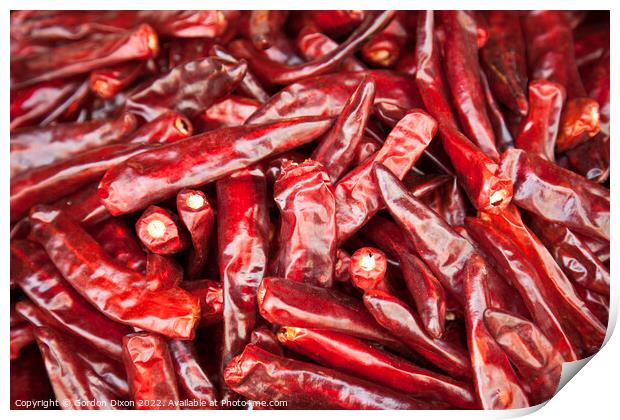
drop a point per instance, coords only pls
(331, 209)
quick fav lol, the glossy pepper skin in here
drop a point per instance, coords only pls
(231, 111)
(504, 60)
(84, 56)
(166, 128)
(307, 386)
(161, 232)
(307, 237)
(313, 45)
(72, 379)
(36, 275)
(243, 241)
(211, 298)
(150, 372)
(463, 75)
(112, 288)
(191, 378)
(538, 130)
(537, 361)
(358, 358)
(263, 25)
(162, 272)
(198, 216)
(188, 89)
(120, 243)
(384, 49)
(39, 146)
(557, 194)
(107, 82)
(336, 149)
(285, 302)
(84, 206)
(357, 196)
(368, 270)
(206, 157)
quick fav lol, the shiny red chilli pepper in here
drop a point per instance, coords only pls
(231, 111)
(503, 135)
(263, 25)
(358, 358)
(193, 382)
(169, 127)
(341, 266)
(264, 338)
(307, 237)
(384, 49)
(314, 45)
(592, 159)
(305, 386)
(211, 298)
(150, 372)
(181, 51)
(207, 157)
(84, 206)
(84, 56)
(162, 272)
(89, 270)
(198, 216)
(580, 121)
(107, 82)
(120, 243)
(368, 269)
(161, 232)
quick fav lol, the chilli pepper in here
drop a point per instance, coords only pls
(39, 146)
(198, 217)
(192, 380)
(384, 49)
(206, 157)
(336, 149)
(162, 272)
(503, 135)
(557, 194)
(110, 287)
(231, 111)
(368, 269)
(107, 82)
(263, 25)
(307, 237)
(336, 22)
(120, 243)
(504, 60)
(181, 51)
(597, 304)
(188, 89)
(150, 372)
(537, 361)
(592, 159)
(169, 127)
(597, 85)
(358, 358)
(84, 206)
(394, 315)
(160, 231)
(83, 56)
(314, 45)
(211, 297)
(366, 148)
(36, 275)
(538, 130)
(357, 196)
(341, 267)
(580, 122)
(305, 386)
(242, 229)
(463, 75)
(285, 302)
(264, 338)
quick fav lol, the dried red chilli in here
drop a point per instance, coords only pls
(314, 45)
(231, 111)
(263, 25)
(169, 127)
(162, 272)
(160, 231)
(120, 243)
(107, 82)
(193, 382)
(503, 135)
(264, 338)
(367, 269)
(384, 49)
(198, 216)
(211, 297)
(84, 206)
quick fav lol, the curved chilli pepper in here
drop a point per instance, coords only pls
(326, 95)
(206, 158)
(504, 60)
(368, 270)
(313, 45)
(71, 377)
(537, 361)
(231, 111)
(357, 196)
(481, 178)
(263, 25)
(402, 322)
(580, 122)
(110, 287)
(557, 194)
(273, 166)
(341, 267)
(35, 103)
(249, 85)
(120, 243)
(503, 135)
(162, 272)
(107, 82)
(430, 78)
(160, 232)
(35, 274)
(337, 148)
(308, 386)
(463, 75)
(384, 49)
(448, 202)
(264, 338)
(35, 315)
(573, 256)
(83, 56)
(150, 372)
(243, 241)
(538, 130)
(358, 358)
(284, 302)
(592, 159)
(188, 89)
(367, 147)
(514, 265)
(39, 146)
(211, 297)
(305, 197)
(84, 206)
(167, 128)
(44, 184)
(495, 382)
(426, 291)
(284, 74)
(575, 316)
(192, 380)
(198, 217)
